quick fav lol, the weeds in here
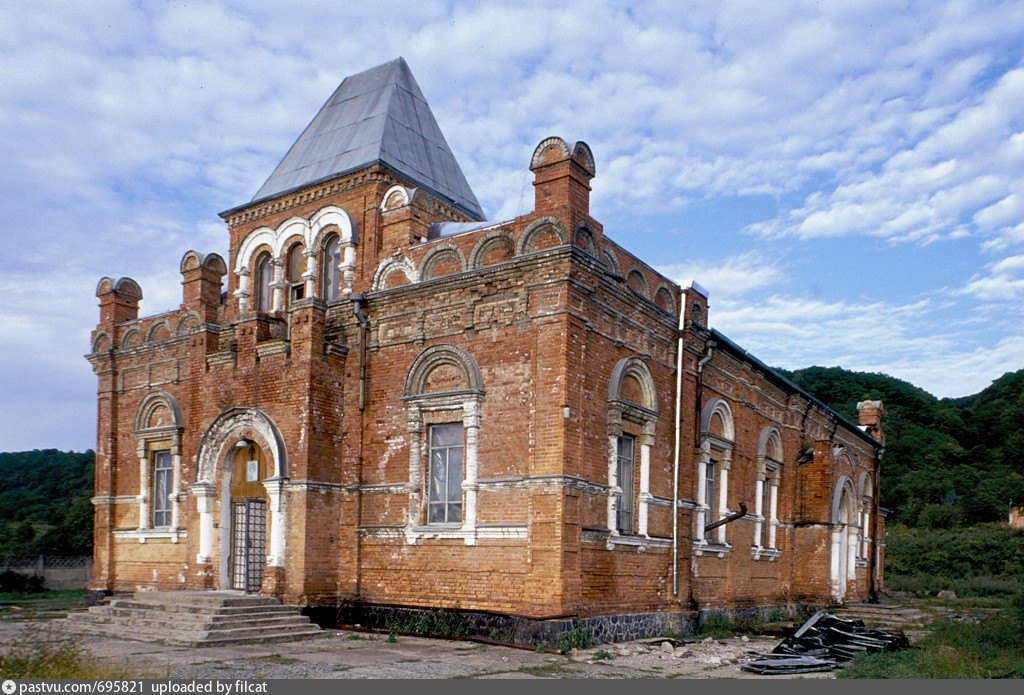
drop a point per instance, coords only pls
(45, 654)
(577, 638)
(436, 622)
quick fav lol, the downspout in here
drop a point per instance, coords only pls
(675, 455)
(710, 349)
(358, 306)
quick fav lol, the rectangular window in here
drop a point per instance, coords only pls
(709, 496)
(444, 495)
(624, 473)
(161, 488)
(766, 511)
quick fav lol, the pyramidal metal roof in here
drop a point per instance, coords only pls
(377, 115)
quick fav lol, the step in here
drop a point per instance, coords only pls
(202, 598)
(196, 638)
(164, 622)
(220, 614)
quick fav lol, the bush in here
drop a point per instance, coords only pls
(16, 583)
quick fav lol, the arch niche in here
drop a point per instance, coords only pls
(241, 471)
(844, 538)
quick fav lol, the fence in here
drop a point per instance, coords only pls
(58, 572)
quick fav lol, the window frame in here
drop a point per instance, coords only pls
(330, 269)
(161, 505)
(447, 503)
(626, 496)
(263, 288)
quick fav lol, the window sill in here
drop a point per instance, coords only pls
(701, 548)
(414, 534)
(641, 543)
(144, 534)
(769, 554)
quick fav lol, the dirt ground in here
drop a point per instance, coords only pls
(347, 654)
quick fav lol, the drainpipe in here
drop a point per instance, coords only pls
(675, 454)
(358, 304)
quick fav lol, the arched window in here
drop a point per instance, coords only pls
(713, 464)
(295, 268)
(264, 279)
(632, 413)
(331, 260)
(766, 494)
(157, 433)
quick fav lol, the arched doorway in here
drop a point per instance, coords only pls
(239, 481)
(844, 538)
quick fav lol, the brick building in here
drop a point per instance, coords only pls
(392, 402)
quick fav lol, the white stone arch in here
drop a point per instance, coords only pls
(435, 356)
(332, 216)
(464, 404)
(438, 252)
(720, 407)
(489, 240)
(540, 154)
(396, 197)
(262, 236)
(212, 488)
(287, 232)
(845, 528)
(644, 415)
(865, 494)
(538, 226)
(392, 265)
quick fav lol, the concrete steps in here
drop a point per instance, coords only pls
(194, 619)
(885, 616)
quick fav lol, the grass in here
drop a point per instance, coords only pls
(46, 654)
(990, 646)
(62, 595)
(276, 659)
(577, 638)
(435, 622)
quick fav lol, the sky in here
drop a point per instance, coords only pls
(846, 179)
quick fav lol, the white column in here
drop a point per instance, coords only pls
(723, 494)
(773, 513)
(278, 521)
(645, 484)
(278, 285)
(471, 421)
(613, 484)
(851, 552)
(414, 425)
(348, 267)
(702, 489)
(175, 483)
(144, 519)
(310, 274)
(759, 511)
(205, 498)
(866, 533)
(242, 293)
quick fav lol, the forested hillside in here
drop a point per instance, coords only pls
(44, 503)
(947, 461)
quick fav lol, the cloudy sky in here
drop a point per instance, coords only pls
(847, 179)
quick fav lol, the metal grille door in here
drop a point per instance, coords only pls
(248, 544)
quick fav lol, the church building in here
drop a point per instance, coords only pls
(384, 402)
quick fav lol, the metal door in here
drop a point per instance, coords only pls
(248, 544)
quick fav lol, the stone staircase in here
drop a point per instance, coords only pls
(891, 617)
(194, 619)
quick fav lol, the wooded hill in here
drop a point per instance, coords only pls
(947, 461)
(44, 503)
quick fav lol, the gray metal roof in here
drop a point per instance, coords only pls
(377, 115)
